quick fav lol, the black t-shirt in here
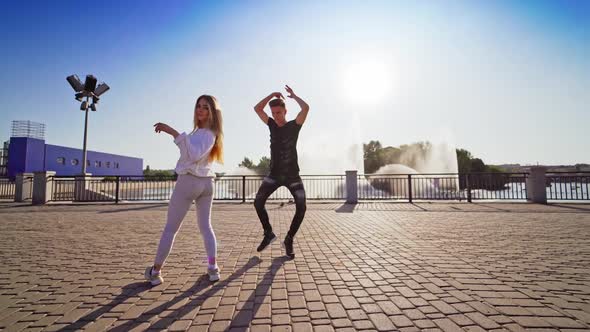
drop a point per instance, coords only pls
(283, 148)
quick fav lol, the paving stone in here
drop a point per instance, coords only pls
(381, 322)
(447, 325)
(387, 266)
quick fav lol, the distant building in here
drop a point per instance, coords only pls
(32, 154)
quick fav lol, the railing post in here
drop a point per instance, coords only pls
(117, 189)
(42, 189)
(352, 195)
(22, 190)
(536, 185)
(468, 183)
(243, 189)
(410, 187)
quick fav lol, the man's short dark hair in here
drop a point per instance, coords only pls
(277, 102)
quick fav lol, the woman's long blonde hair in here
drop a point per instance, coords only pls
(215, 124)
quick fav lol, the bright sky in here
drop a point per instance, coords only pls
(507, 80)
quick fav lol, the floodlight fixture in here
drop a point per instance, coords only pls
(90, 83)
(101, 88)
(75, 82)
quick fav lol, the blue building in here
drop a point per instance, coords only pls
(27, 154)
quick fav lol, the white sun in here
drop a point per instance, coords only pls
(367, 82)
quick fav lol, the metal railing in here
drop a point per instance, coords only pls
(111, 188)
(442, 186)
(244, 188)
(73, 188)
(62, 189)
(144, 188)
(496, 186)
(406, 187)
(7, 188)
(159, 188)
(568, 186)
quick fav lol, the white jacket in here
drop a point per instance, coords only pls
(194, 153)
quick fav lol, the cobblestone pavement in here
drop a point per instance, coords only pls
(374, 266)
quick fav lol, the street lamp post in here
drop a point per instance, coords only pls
(85, 138)
(87, 90)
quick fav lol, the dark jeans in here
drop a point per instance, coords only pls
(269, 186)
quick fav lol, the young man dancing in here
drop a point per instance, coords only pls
(284, 169)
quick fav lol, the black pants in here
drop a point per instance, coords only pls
(269, 186)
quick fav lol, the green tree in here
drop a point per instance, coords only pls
(372, 156)
(494, 169)
(464, 161)
(247, 163)
(390, 155)
(478, 166)
(263, 166)
(158, 173)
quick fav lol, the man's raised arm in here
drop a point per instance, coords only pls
(259, 108)
(304, 107)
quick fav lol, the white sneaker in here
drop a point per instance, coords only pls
(154, 279)
(213, 274)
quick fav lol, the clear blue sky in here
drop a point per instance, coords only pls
(507, 80)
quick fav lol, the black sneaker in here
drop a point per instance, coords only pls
(288, 245)
(268, 239)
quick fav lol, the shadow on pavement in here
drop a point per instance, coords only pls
(137, 208)
(136, 288)
(245, 316)
(346, 208)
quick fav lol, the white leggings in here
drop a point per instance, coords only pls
(189, 188)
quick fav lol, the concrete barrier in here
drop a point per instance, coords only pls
(42, 188)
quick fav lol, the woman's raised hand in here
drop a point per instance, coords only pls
(159, 127)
